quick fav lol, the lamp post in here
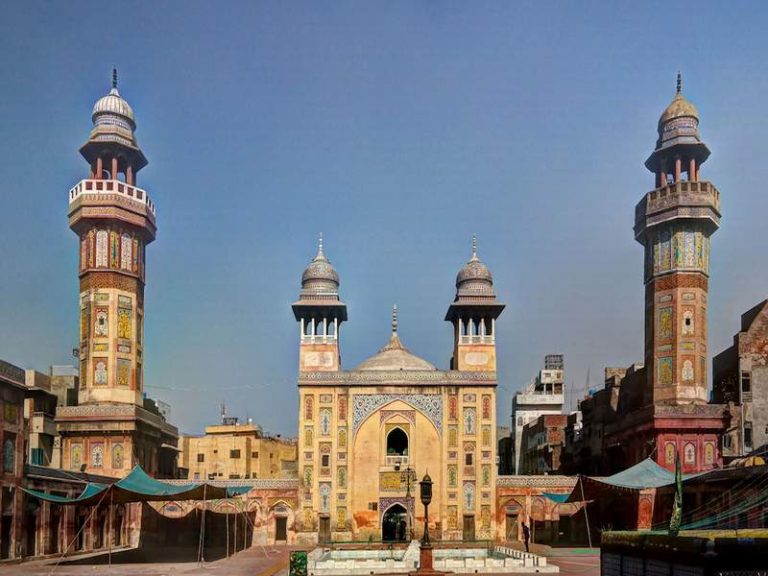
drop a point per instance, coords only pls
(408, 476)
(425, 490)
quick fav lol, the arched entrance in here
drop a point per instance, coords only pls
(393, 524)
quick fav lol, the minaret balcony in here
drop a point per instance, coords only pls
(678, 200)
(95, 188)
(477, 339)
(318, 339)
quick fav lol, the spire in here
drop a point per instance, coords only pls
(320, 253)
(114, 78)
(474, 247)
(394, 319)
(679, 83)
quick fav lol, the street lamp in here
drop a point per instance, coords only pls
(408, 475)
(425, 489)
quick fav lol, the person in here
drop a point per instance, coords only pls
(526, 536)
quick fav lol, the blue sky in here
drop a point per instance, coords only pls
(397, 129)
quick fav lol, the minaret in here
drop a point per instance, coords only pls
(473, 314)
(674, 223)
(320, 313)
(114, 220)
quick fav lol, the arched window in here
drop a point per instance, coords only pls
(117, 456)
(102, 247)
(397, 442)
(125, 252)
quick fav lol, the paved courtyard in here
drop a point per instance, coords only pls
(258, 561)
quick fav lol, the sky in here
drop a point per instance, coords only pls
(397, 129)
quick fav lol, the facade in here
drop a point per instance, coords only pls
(545, 395)
(111, 428)
(367, 434)
(740, 379)
(12, 392)
(39, 414)
(542, 442)
(235, 451)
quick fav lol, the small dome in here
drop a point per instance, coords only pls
(679, 108)
(474, 277)
(320, 275)
(395, 356)
(113, 104)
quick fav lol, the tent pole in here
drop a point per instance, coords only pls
(109, 533)
(227, 518)
(586, 516)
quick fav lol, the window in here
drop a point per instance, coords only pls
(468, 459)
(326, 460)
(201, 457)
(397, 442)
(727, 441)
(234, 476)
(234, 454)
(9, 453)
(746, 381)
(254, 454)
(748, 435)
(197, 475)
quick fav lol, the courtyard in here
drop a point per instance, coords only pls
(256, 561)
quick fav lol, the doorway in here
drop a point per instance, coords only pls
(281, 529)
(469, 528)
(511, 526)
(325, 530)
(393, 524)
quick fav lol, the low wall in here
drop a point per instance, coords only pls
(692, 553)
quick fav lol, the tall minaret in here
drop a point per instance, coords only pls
(114, 220)
(320, 313)
(473, 314)
(674, 223)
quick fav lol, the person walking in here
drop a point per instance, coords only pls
(526, 536)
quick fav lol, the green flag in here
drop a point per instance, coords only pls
(677, 507)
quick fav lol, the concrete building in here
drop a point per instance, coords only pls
(112, 428)
(39, 414)
(367, 434)
(545, 395)
(234, 451)
(740, 380)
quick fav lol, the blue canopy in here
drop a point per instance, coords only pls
(645, 474)
(559, 498)
(138, 486)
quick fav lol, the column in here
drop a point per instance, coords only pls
(114, 168)
(129, 175)
(692, 170)
(678, 168)
(99, 168)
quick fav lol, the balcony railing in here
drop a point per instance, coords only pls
(96, 187)
(318, 339)
(397, 459)
(476, 339)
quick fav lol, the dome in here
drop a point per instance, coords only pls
(395, 356)
(679, 108)
(474, 277)
(320, 275)
(113, 104)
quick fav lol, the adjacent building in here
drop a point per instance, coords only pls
(233, 451)
(112, 427)
(740, 380)
(545, 395)
(366, 435)
(542, 444)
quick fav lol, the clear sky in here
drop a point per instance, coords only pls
(397, 129)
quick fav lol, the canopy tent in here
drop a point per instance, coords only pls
(643, 475)
(138, 486)
(559, 498)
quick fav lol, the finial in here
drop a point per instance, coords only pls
(320, 254)
(394, 319)
(679, 83)
(114, 78)
(474, 245)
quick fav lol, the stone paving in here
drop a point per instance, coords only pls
(257, 561)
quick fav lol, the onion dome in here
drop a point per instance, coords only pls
(320, 277)
(474, 278)
(679, 127)
(114, 122)
(395, 356)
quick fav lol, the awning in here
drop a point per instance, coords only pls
(138, 486)
(642, 476)
(559, 498)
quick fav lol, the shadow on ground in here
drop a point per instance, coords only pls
(149, 556)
